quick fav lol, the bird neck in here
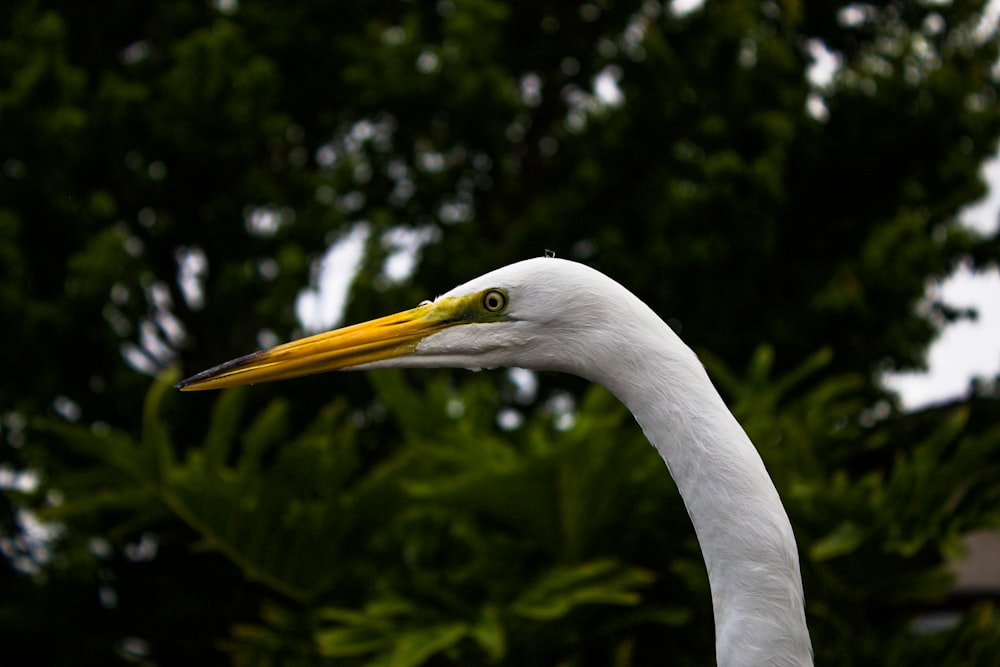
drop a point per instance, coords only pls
(742, 528)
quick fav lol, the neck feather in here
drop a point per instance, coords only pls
(742, 527)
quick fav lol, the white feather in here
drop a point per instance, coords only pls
(567, 317)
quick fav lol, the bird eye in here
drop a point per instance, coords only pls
(494, 301)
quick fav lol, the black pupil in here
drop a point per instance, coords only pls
(492, 301)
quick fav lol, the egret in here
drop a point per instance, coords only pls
(551, 314)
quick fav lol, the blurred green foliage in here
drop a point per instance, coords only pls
(171, 174)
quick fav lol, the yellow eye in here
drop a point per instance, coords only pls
(494, 300)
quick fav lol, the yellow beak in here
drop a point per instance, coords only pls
(383, 338)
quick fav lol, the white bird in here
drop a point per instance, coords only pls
(551, 314)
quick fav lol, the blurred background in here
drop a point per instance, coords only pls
(185, 182)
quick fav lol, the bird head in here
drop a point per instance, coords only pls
(536, 314)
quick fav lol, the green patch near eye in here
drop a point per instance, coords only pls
(486, 306)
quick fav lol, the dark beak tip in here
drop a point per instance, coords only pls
(187, 383)
(192, 382)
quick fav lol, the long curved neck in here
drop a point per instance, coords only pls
(742, 527)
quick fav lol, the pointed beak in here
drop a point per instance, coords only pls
(376, 340)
